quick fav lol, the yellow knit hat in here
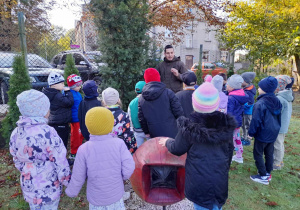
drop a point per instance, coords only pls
(99, 121)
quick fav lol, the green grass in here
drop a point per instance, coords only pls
(283, 192)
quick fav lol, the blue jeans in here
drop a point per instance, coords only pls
(197, 207)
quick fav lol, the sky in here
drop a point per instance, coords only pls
(65, 16)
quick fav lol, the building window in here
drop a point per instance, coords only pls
(168, 34)
(189, 41)
(205, 57)
(207, 36)
(224, 55)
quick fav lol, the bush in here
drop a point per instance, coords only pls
(70, 68)
(18, 82)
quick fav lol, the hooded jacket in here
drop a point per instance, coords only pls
(172, 82)
(266, 119)
(286, 98)
(236, 101)
(60, 106)
(40, 156)
(77, 99)
(251, 92)
(158, 110)
(207, 139)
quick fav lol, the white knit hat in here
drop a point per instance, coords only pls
(110, 96)
(33, 103)
(217, 81)
(55, 78)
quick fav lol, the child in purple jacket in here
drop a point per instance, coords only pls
(218, 81)
(104, 160)
(38, 152)
(236, 100)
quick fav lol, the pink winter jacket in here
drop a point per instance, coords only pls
(105, 161)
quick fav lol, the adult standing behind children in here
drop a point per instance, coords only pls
(185, 96)
(236, 100)
(61, 102)
(250, 90)
(133, 110)
(89, 101)
(74, 82)
(206, 137)
(171, 69)
(158, 107)
(264, 127)
(104, 161)
(122, 129)
(286, 98)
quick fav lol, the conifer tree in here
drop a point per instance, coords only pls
(18, 82)
(70, 68)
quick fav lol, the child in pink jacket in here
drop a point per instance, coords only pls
(38, 152)
(104, 160)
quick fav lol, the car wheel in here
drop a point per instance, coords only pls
(98, 80)
(4, 96)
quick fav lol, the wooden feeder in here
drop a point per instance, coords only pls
(159, 176)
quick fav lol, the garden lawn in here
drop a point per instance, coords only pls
(283, 192)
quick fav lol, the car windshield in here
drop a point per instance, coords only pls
(34, 61)
(93, 58)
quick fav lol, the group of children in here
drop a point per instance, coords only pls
(205, 121)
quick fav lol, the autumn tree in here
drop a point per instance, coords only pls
(122, 26)
(268, 29)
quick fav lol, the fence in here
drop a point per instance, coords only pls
(47, 52)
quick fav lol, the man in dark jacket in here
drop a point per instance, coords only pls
(89, 101)
(185, 96)
(171, 69)
(264, 127)
(206, 137)
(158, 107)
(61, 102)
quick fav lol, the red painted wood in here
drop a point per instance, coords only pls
(152, 153)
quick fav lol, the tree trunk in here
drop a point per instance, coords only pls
(297, 62)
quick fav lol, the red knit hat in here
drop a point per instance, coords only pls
(74, 81)
(151, 75)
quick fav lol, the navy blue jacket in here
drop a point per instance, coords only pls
(251, 92)
(207, 139)
(60, 106)
(158, 110)
(266, 118)
(185, 99)
(236, 101)
(77, 99)
(85, 105)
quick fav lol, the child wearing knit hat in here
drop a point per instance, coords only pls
(286, 98)
(74, 82)
(218, 81)
(236, 100)
(264, 127)
(61, 100)
(38, 152)
(250, 90)
(90, 100)
(139, 135)
(208, 78)
(104, 161)
(206, 137)
(122, 127)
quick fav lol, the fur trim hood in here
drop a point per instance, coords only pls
(214, 128)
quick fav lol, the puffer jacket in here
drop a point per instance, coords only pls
(60, 106)
(158, 110)
(236, 101)
(286, 98)
(172, 82)
(40, 156)
(207, 139)
(77, 99)
(105, 162)
(266, 119)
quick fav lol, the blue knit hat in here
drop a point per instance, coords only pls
(268, 84)
(90, 89)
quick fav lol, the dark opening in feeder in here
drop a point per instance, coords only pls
(163, 176)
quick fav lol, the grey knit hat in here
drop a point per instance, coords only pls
(55, 78)
(235, 81)
(110, 96)
(33, 103)
(217, 81)
(248, 76)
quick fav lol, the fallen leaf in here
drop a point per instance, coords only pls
(271, 203)
(16, 194)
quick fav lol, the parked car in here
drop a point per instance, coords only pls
(38, 68)
(88, 70)
(209, 68)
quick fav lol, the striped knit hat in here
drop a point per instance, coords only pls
(205, 98)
